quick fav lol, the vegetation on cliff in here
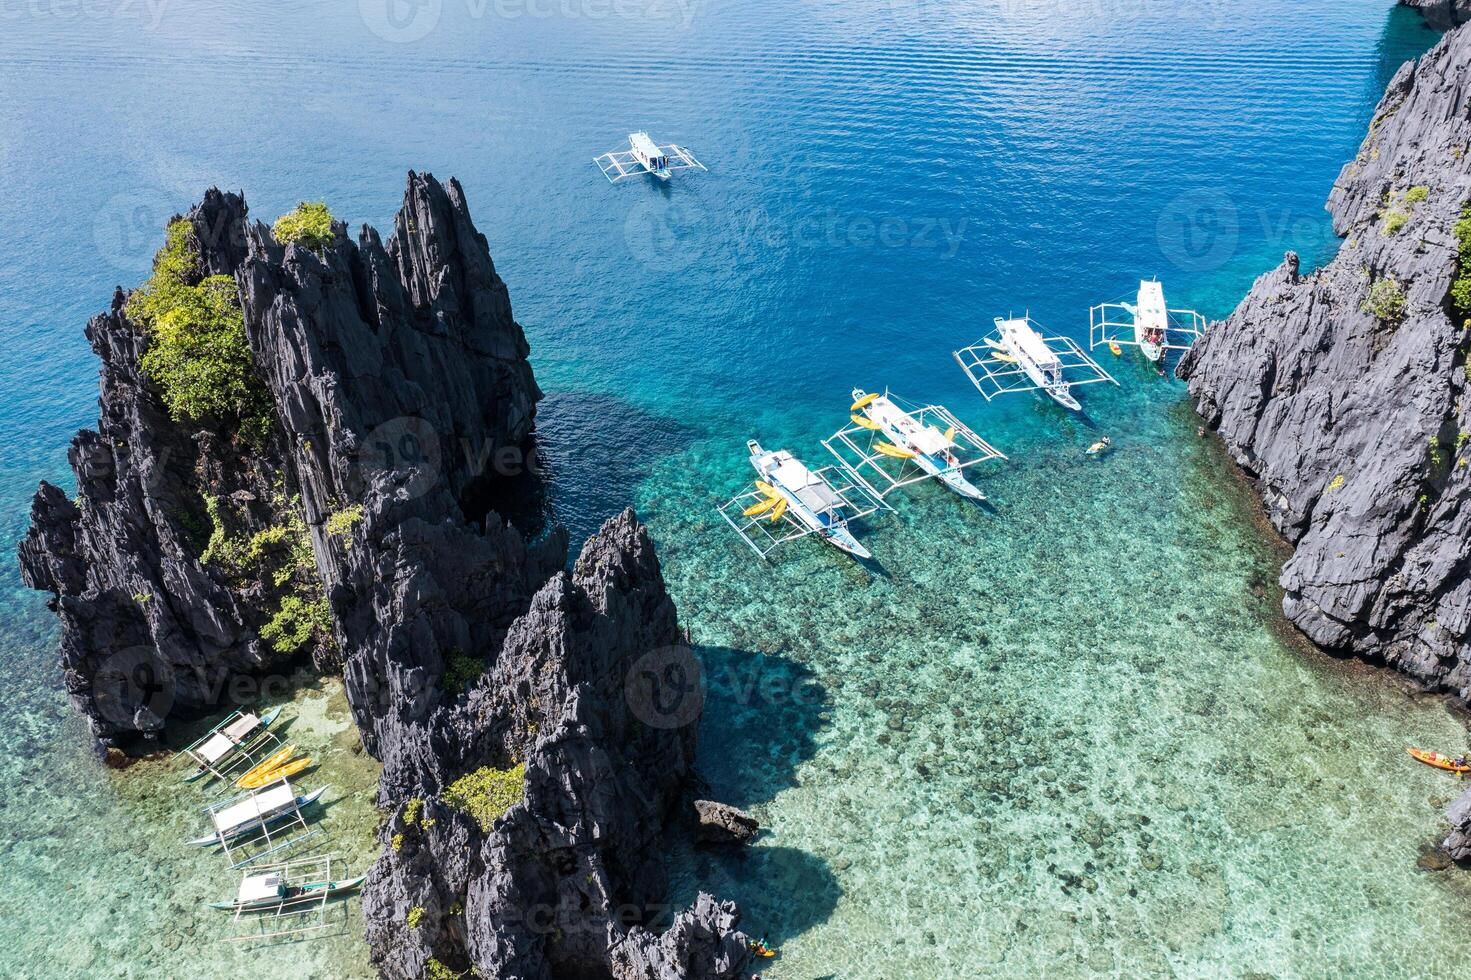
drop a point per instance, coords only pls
(277, 564)
(197, 353)
(309, 224)
(486, 794)
(1461, 285)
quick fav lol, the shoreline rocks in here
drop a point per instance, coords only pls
(1457, 844)
(1344, 393)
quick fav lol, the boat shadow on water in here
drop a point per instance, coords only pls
(762, 717)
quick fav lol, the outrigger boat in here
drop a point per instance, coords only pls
(892, 443)
(644, 156)
(259, 822)
(254, 811)
(232, 745)
(265, 891)
(1018, 356)
(1147, 323)
(800, 501)
(285, 899)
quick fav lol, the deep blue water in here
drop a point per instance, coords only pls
(885, 176)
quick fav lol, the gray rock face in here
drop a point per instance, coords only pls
(1442, 14)
(1457, 844)
(148, 628)
(403, 403)
(1344, 393)
(564, 883)
(721, 823)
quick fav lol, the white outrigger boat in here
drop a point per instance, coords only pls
(1147, 323)
(258, 822)
(235, 744)
(644, 156)
(287, 898)
(1018, 356)
(797, 501)
(894, 444)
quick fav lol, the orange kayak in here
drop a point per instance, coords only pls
(1441, 761)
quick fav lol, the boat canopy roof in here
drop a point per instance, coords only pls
(643, 144)
(1027, 341)
(255, 806)
(255, 887)
(1150, 311)
(215, 748)
(930, 440)
(806, 486)
(241, 727)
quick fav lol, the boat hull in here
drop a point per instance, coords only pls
(1439, 761)
(302, 802)
(311, 889)
(266, 721)
(1064, 398)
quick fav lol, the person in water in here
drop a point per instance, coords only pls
(1100, 446)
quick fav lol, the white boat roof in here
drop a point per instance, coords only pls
(1025, 340)
(215, 747)
(924, 438)
(805, 485)
(256, 887)
(253, 807)
(241, 727)
(643, 144)
(1150, 309)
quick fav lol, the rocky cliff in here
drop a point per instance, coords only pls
(1442, 14)
(1343, 391)
(528, 788)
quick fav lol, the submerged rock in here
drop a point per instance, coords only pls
(721, 823)
(1344, 392)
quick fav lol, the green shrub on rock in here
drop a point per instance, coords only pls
(197, 353)
(487, 793)
(1386, 301)
(296, 623)
(1461, 285)
(309, 224)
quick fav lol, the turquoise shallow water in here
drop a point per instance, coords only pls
(1064, 734)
